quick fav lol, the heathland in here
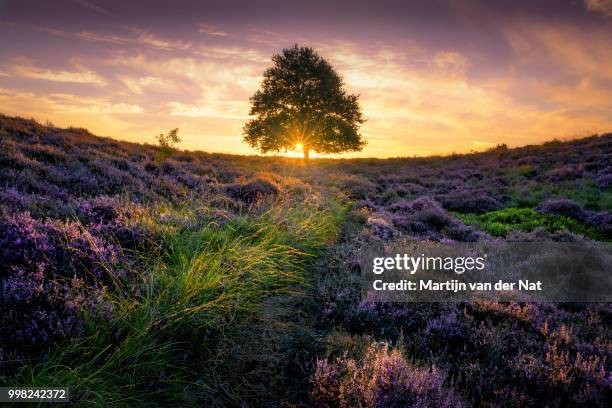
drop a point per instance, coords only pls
(205, 279)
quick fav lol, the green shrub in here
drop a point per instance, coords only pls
(499, 223)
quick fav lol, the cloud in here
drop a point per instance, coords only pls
(227, 76)
(91, 6)
(425, 102)
(3, 74)
(145, 37)
(451, 61)
(139, 85)
(235, 52)
(140, 37)
(562, 48)
(80, 104)
(211, 30)
(62, 102)
(113, 39)
(600, 6)
(211, 109)
(82, 76)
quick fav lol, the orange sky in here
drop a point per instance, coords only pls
(453, 79)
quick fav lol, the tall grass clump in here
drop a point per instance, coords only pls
(160, 330)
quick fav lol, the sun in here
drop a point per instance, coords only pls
(299, 147)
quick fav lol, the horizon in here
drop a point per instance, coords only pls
(297, 155)
(433, 79)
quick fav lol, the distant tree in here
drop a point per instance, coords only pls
(166, 144)
(302, 101)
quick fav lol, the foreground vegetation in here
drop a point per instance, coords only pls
(133, 297)
(159, 331)
(193, 279)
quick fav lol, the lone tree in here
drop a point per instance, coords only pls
(302, 101)
(166, 144)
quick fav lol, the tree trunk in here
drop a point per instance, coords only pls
(306, 155)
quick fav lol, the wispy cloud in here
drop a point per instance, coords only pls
(561, 47)
(600, 6)
(113, 39)
(211, 109)
(230, 76)
(91, 6)
(212, 30)
(235, 52)
(140, 37)
(63, 102)
(140, 85)
(80, 104)
(81, 76)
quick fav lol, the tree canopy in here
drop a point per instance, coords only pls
(302, 101)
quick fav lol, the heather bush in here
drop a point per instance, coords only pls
(169, 166)
(65, 248)
(45, 153)
(449, 332)
(151, 167)
(366, 204)
(477, 202)
(569, 378)
(356, 187)
(52, 270)
(564, 172)
(252, 190)
(602, 221)
(562, 207)
(37, 309)
(116, 219)
(604, 181)
(425, 218)
(15, 201)
(603, 178)
(382, 378)
(380, 226)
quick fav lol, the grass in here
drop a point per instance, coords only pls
(583, 192)
(499, 223)
(189, 298)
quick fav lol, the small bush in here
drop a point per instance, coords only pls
(601, 221)
(166, 144)
(564, 172)
(424, 217)
(253, 190)
(501, 222)
(604, 181)
(356, 187)
(477, 202)
(562, 207)
(383, 378)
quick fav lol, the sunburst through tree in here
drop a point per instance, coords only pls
(302, 105)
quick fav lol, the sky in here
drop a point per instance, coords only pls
(434, 77)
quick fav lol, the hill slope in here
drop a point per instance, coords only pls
(230, 280)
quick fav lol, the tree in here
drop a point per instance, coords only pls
(302, 101)
(166, 144)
